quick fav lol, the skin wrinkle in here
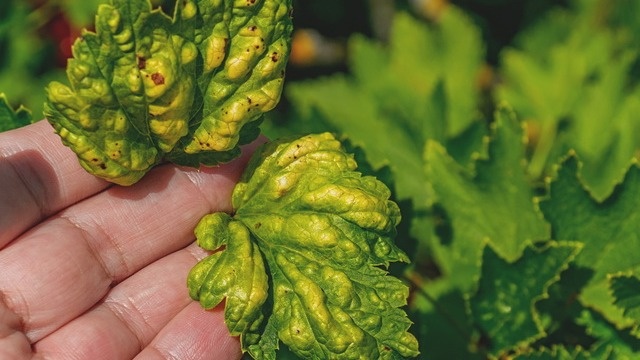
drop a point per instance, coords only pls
(89, 240)
(11, 326)
(35, 152)
(121, 312)
(30, 187)
(60, 269)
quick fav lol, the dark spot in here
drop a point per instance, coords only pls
(253, 28)
(275, 57)
(249, 100)
(103, 166)
(94, 160)
(157, 78)
(257, 225)
(142, 63)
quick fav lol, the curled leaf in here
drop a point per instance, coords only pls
(146, 88)
(322, 230)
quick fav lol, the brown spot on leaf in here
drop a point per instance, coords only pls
(142, 63)
(275, 56)
(157, 78)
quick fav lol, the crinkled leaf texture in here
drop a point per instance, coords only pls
(145, 87)
(321, 229)
(10, 118)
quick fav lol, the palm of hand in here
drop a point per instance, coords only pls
(92, 271)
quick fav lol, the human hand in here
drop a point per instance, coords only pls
(94, 271)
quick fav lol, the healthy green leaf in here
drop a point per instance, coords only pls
(10, 118)
(504, 303)
(609, 231)
(611, 342)
(493, 204)
(563, 353)
(26, 59)
(406, 92)
(321, 229)
(626, 291)
(188, 89)
(571, 80)
(442, 322)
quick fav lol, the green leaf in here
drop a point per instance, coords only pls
(494, 203)
(613, 343)
(405, 93)
(563, 353)
(10, 118)
(147, 88)
(626, 291)
(442, 322)
(504, 303)
(571, 80)
(27, 61)
(609, 231)
(322, 230)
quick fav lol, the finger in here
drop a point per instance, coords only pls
(81, 252)
(38, 177)
(135, 311)
(13, 343)
(194, 334)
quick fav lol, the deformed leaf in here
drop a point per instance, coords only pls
(146, 87)
(322, 230)
(503, 305)
(10, 118)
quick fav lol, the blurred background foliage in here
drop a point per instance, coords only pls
(36, 35)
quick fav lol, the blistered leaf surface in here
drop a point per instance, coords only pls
(322, 231)
(146, 87)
